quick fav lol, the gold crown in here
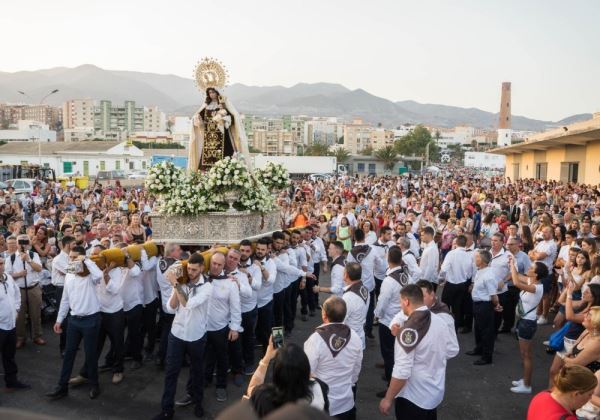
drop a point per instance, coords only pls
(210, 73)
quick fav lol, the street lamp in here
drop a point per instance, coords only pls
(43, 99)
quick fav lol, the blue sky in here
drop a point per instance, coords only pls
(450, 52)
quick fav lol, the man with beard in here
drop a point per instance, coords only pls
(265, 298)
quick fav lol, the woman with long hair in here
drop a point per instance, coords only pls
(291, 381)
(527, 239)
(488, 226)
(574, 386)
(345, 234)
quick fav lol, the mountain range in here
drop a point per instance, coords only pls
(178, 95)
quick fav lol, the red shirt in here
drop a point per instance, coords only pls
(544, 407)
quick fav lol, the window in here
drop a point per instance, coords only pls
(131, 165)
(103, 165)
(360, 167)
(143, 164)
(67, 167)
(86, 168)
(118, 165)
(372, 167)
(569, 171)
(541, 171)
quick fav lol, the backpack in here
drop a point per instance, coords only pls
(14, 256)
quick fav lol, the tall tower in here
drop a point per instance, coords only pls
(505, 119)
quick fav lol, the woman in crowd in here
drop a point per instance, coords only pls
(574, 386)
(40, 243)
(370, 235)
(527, 239)
(488, 227)
(345, 234)
(135, 231)
(146, 223)
(531, 294)
(291, 381)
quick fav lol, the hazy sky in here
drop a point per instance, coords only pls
(451, 52)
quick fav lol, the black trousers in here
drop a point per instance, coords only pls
(453, 295)
(347, 415)
(264, 323)
(216, 354)
(134, 343)
(510, 305)
(308, 299)
(370, 313)
(247, 338)
(502, 299)
(113, 327)
(65, 323)
(149, 325)
(8, 348)
(378, 283)
(290, 305)
(86, 328)
(406, 410)
(386, 346)
(177, 349)
(468, 307)
(484, 329)
(278, 305)
(166, 320)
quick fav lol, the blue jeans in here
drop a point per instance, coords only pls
(175, 354)
(86, 328)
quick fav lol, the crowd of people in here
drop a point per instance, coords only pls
(412, 262)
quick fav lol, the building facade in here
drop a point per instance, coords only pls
(78, 114)
(115, 122)
(31, 131)
(357, 135)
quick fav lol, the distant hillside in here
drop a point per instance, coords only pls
(178, 95)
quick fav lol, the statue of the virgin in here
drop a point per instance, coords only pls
(217, 129)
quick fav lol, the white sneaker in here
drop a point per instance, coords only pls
(542, 320)
(521, 389)
(546, 343)
(517, 383)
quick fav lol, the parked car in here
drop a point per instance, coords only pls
(108, 175)
(138, 175)
(3, 186)
(25, 185)
(319, 177)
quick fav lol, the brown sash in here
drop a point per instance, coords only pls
(359, 252)
(339, 261)
(336, 337)
(440, 307)
(165, 263)
(400, 276)
(414, 329)
(359, 290)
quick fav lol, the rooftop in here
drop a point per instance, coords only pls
(55, 148)
(577, 134)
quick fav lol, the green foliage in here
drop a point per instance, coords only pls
(317, 149)
(367, 151)
(341, 155)
(415, 143)
(456, 152)
(253, 149)
(2, 142)
(144, 145)
(388, 156)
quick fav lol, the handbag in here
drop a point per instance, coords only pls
(556, 341)
(520, 310)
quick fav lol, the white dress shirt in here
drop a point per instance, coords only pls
(457, 267)
(414, 271)
(319, 251)
(549, 248)
(485, 285)
(79, 293)
(150, 282)
(356, 313)
(424, 368)
(388, 303)
(265, 294)
(33, 277)
(499, 264)
(337, 278)
(109, 294)
(381, 252)
(166, 290)
(10, 302)
(285, 272)
(132, 290)
(191, 320)
(430, 261)
(59, 268)
(224, 306)
(244, 288)
(368, 266)
(254, 281)
(414, 244)
(340, 373)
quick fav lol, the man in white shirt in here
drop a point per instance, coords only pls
(347, 214)
(430, 260)
(132, 293)
(335, 355)
(409, 259)
(224, 323)
(299, 259)
(363, 254)
(456, 270)
(336, 253)
(388, 305)
(422, 349)
(499, 264)
(79, 296)
(319, 258)
(188, 334)
(268, 274)
(380, 247)
(10, 303)
(151, 304)
(59, 272)
(545, 251)
(25, 267)
(356, 297)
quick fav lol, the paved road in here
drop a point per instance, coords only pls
(471, 392)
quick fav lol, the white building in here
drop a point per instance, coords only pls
(484, 160)
(28, 130)
(85, 158)
(78, 113)
(325, 130)
(181, 130)
(78, 134)
(154, 119)
(403, 130)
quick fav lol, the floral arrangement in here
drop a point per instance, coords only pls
(192, 194)
(228, 174)
(163, 177)
(274, 176)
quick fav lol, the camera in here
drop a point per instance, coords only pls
(23, 241)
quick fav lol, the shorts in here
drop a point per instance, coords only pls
(547, 283)
(526, 329)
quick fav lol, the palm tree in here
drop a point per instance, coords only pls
(341, 155)
(474, 144)
(388, 156)
(317, 149)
